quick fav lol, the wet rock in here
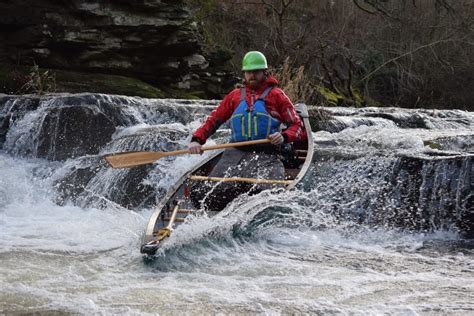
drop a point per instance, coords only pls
(458, 143)
(74, 183)
(60, 127)
(127, 188)
(4, 125)
(74, 131)
(318, 118)
(412, 118)
(337, 123)
(414, 193)
(430, 193)
(135, 192)
(90, 181)
(13, 108)
(110, 105)
(415, 120)
(63, 126)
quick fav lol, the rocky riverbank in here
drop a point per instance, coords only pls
(141, 48)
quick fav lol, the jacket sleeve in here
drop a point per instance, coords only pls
(295, 130)
(221, 114)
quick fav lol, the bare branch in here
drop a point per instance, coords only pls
(401, 56)
(356, 2)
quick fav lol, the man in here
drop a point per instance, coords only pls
(255, 111)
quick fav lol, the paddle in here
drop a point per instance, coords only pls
(138, 158)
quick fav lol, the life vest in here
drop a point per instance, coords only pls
(250, 123)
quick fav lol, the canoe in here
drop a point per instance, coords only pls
(176, 206)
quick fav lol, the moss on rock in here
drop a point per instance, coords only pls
(345, 98)
(14, 78)
(184, 94)
(75, 82)
(329, 96)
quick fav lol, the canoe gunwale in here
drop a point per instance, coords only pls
(302, 110)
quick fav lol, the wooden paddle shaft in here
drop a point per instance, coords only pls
(237, 179)
(240, 144)
(219, 146)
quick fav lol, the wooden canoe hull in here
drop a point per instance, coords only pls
(179, 193)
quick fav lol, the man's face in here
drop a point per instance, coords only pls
(254, 78)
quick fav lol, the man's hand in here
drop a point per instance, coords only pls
(195, 148)
(276, 138)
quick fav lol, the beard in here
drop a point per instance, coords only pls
(254, 83)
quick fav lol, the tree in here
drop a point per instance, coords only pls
(385, 52)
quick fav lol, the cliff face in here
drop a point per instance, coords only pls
(150, 40)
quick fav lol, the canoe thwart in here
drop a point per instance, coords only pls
(183, 211)
(237, 179)
(177, 219)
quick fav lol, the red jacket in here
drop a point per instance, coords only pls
(277, 105)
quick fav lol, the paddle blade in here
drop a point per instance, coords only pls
(132, 159)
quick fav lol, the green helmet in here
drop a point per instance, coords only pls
(254, 61)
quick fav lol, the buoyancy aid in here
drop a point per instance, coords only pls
(252, 122)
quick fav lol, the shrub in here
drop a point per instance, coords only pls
(39, 82)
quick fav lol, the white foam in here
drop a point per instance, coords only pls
(31, 221)
(274, 253)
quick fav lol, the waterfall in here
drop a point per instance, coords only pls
(379, 166)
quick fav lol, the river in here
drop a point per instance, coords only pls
(314, 250)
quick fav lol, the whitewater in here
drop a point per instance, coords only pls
(312, 250)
